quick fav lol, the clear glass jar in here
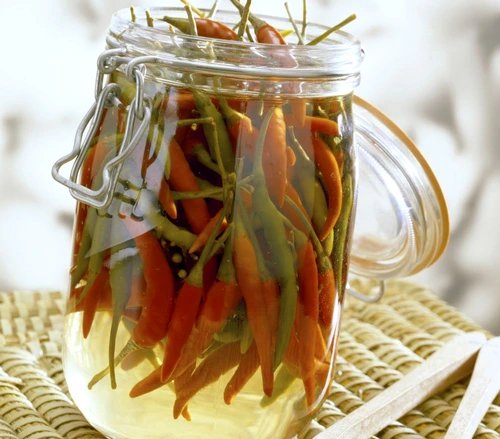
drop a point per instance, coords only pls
(217, 185)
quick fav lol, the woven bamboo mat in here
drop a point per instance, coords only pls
(379, 343)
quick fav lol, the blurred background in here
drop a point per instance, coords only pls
(432, 65)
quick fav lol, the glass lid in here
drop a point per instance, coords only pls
(402, 223)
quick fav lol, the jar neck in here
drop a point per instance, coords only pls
(331, 67)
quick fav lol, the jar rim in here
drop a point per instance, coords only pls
(338, 55)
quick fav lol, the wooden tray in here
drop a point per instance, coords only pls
(379, 343)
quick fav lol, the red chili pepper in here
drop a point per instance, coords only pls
(248, 276)
(160, 290)
(308, 293)
(246, 370)
(182, 179)
(209, 371)
(186, 309)
(327, 165)
(205, 26)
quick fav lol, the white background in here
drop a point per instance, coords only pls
(431, 65)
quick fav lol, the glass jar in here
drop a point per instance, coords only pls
(216, 185)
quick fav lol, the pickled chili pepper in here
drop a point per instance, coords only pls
(90, 166)
(160, 291)
(216, 133)
(182, 179)
(304, 170)
(81, 261)
(121, 271)
(222, 299)
(284, 380)
(209, 371)
(290, 213)
(247, 273)
(308, 292)
(186, 308)
(166, 199)
(319, 214)
(246, 369)
(240, 128)
(341, 230)
(327, 165)
(275, 147)
(326, 277)
(275, 234)
(165, 228)
(204, 236)
(179, 384)
(91, 300)
(97, 250)
(206, 27)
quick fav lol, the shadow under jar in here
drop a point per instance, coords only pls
(211, 248)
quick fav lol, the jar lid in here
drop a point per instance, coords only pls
(402, 223)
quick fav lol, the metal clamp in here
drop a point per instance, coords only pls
(106, 97)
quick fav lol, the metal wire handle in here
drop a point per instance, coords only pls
(106, 97)
(365, 297)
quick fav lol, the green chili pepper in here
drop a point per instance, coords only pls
(246, 338)
(319, 214)
(121, 272)
(283, 381)
(341, 230)
(232, 331)
(205, 159)
(275, 234)
(305, 170)
(82, 260)
(148, 206)
(97, 251)
(216, 133)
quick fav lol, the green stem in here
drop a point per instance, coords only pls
(294, 24)
(213, 10)
(214, 193)
(304, 18)
(194, 9)
(132, 14)
(193, 30)
(149, 19)
(244, 20)
(220, 242)
(341, 229)
(130, 347)
(204, 158)
(196, 275)
(333, 29)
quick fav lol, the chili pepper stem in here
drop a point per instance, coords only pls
(133, 17)
(130, 347)
(294, 24)
(192, 23)
(213, 10)
(330, 31)
(209, 193)
(304, 18)
(244, 20)
(193, 8)
(149, 18)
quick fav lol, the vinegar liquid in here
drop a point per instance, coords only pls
(150, 416)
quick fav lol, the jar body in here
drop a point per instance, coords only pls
(247, 318)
